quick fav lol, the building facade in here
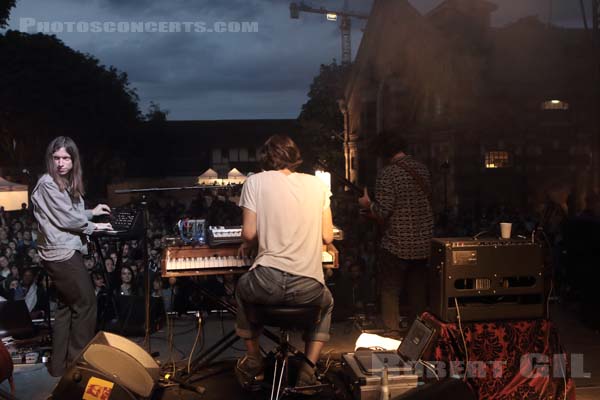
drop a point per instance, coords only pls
(499, 114)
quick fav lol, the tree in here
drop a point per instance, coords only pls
(155, 113)
(321, 120)
(49, 89)
(5, 7)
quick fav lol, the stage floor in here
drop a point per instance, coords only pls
(33, 382)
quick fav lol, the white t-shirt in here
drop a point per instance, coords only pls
(289, 211)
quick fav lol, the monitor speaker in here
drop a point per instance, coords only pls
(417, 341)
(110, 367)
(15, 320)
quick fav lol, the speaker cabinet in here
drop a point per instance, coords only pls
(132, 316)
(489, 279)
(111, 366)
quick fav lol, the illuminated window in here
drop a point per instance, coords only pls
(497, 159)
(555, 105)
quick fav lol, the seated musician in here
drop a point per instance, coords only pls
(286, 216)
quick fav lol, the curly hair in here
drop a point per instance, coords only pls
(279, 152)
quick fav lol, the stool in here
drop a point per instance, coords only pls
(286, 318)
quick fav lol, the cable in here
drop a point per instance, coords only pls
(552, 269)
(564, 375)
(195, 343)
(462, 334)
(170, 341)
(429, 367)
(327, 365)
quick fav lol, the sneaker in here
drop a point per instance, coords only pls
(249, 372)
(307, 379)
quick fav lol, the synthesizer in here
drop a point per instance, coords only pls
(220, 235)
(127, 223)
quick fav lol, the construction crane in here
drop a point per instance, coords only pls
(332, 15)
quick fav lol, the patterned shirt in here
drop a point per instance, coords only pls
(401, 203)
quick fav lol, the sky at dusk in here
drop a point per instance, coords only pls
(202, 75)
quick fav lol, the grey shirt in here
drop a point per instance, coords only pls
(62, 221)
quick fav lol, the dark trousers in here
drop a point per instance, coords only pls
(265, 285)
(75, 319)
(396, 276)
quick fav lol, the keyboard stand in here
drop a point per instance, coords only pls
(205, 357)
(107, 282)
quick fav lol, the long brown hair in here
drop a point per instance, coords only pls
(279, 152)
(73, 182)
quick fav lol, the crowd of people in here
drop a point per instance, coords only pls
(20, 264)
(117, 268)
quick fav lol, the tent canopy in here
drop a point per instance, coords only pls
(8, 186)
(12, 195)
(235, 173)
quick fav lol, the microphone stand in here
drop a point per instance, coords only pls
(147, 285)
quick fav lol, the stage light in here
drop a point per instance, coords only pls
(331, 17)
(372, 341)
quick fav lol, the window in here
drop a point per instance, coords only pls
(234, 154)
(243, 154)
(497, 159)
(216, 155)
(555, 105)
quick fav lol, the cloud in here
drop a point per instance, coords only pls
(228, 75)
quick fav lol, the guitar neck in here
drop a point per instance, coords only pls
(340, 178)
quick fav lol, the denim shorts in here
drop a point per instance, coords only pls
(271, 286)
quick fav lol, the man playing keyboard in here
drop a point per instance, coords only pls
(287, 218)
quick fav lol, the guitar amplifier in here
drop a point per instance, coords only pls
(488, 279)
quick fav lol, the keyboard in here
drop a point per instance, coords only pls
(204, 260)
(219, 235)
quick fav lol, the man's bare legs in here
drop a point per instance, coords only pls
(253, 347)
(313, 349)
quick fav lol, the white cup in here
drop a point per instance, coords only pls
(505, 228)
